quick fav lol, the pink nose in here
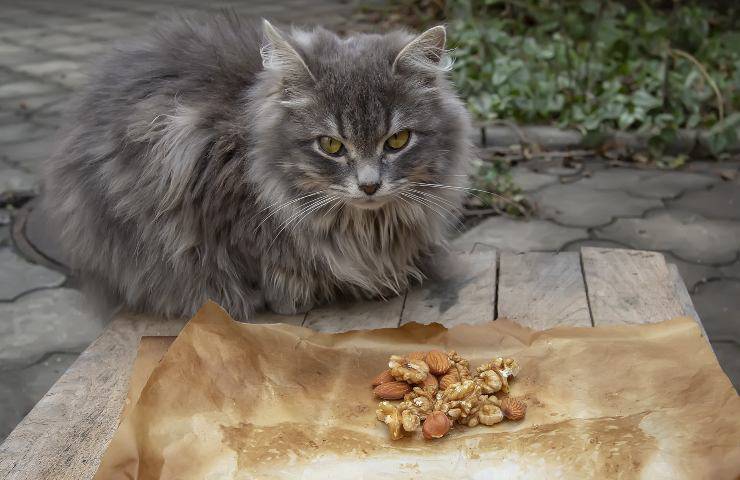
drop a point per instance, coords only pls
(369, 188)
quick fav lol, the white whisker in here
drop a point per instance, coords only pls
(309, 212)
(290, 219)
(470, 190)
(282, 206)
(432, 206)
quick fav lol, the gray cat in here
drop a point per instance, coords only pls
(217, 160)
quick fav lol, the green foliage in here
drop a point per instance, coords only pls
(597, 65)
(495, 188)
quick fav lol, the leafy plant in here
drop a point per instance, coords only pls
(648, 66)
(596, 65)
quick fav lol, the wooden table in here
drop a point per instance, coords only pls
(68, 431)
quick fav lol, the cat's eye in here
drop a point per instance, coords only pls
(398, 140)
(330, 145)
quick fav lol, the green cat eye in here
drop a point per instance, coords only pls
(398, 140)
(330, 145)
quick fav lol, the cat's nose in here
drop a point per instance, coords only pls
(369, 188)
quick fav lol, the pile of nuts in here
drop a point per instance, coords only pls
(438, 390)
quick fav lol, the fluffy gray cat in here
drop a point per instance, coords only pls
(218, 160)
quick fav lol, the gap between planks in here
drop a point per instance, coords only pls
(463, 292)
(542, 290)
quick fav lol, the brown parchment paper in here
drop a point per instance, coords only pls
(245, 401)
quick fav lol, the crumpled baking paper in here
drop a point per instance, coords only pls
(244, 401)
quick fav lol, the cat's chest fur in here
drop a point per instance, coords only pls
(364, 253)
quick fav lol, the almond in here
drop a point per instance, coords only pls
(383, 377)
(438, 362)
(513, 409)
(448, 379)
(436, 425)
(416, 356)
(392, 390)
(430, 381)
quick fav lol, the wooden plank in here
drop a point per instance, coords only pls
(67, 432)
(628, 286)
(356, 316)
(684, 298)
(542, 290)
(269, 317)
(466, 293)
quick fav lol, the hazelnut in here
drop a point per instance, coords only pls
(436, 425)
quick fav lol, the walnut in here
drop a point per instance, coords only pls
(472, 421)
(505, 367)
(410, 421)
(489, 381)
(405, 369)
(458, 391)
(459, 365)
(490, 414)
(420, 401)
(388, 414)
(460, 401)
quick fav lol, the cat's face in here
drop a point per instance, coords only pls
(367, 119)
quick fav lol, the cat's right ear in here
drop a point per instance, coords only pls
(425, 52)
(278, 54)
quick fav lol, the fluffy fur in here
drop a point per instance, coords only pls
(190, 168)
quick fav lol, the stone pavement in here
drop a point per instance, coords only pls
(692, 215)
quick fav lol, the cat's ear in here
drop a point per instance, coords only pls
(427, 51)
(278, 54)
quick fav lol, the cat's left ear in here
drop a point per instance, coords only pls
(278, 54)
(427, 51)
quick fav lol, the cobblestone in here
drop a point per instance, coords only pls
(715, 301)
(20, 389)
(23, 131)
(722, 201)
(530, 181)
(18, 89)
(649, 183)
(732, 270)
(520, 236)
(579, 206)
(45, 321)
(728, 354)
(13, 179)
(18, 276)
(4, 228)
(690, 236)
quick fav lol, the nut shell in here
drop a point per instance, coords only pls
(383, 377)
(436, 425)
(438, 362)
(392, 390)
(513, 409)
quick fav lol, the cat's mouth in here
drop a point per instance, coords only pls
(370, 203)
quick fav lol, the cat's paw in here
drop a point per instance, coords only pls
(288, 308)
